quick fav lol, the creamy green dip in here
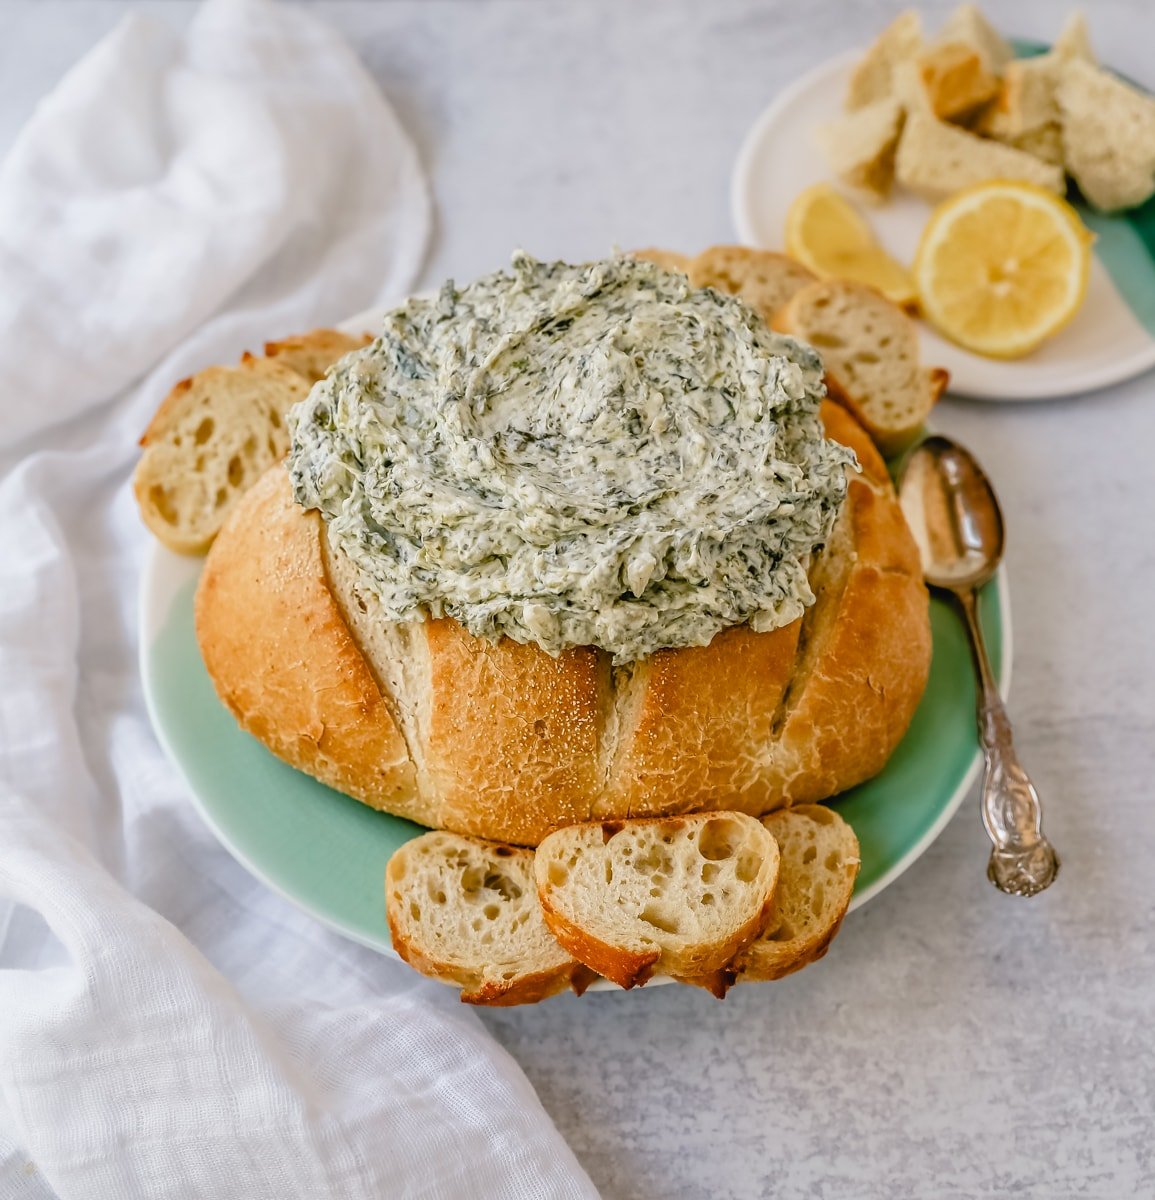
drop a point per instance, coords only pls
(576, 455)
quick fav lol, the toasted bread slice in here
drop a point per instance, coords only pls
(873, 78)
(214, 436)
(968, 26)
(936, 159)
(677, 895)
(948, 81)
(869, 348)
(466, 911)
(1108, 136)
(860, 146)
(671, 260)
(763, 278)
(312, 354)
(819, 864)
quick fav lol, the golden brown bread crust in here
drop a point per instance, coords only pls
(492, 993)
(512, 743)
(627, 968)
(282, 659)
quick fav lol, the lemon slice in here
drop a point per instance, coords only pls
(1002, 266)
(826, 233)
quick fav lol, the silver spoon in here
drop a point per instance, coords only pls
(955, 518)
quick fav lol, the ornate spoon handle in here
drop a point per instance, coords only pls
(1022, 861)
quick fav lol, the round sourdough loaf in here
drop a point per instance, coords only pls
(503, 741)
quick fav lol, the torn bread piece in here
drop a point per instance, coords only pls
(1074, 40)
(1108, 136)
(677, 895)
(950, 81)
(466, 911)
(873, 77)
(936, 160)
(967, 25)
(860, 146)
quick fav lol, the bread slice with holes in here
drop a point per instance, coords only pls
(869, 349)
(466, 912)
(312, 354)
(678, 896)
(763, 278)
(212, 438)
(818, 866)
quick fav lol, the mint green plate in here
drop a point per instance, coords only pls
(327, 853)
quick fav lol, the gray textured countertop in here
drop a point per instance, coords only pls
(956, 1043)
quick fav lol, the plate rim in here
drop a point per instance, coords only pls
(741, 208)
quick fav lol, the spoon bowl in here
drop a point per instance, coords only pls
(953, 513)
(956, 521)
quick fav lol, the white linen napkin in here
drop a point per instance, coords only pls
(169, 1027)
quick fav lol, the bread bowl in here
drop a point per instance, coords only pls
(508, 741)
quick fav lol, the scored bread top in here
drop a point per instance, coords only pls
(504, 741)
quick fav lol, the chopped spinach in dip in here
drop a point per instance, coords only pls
(576, 455)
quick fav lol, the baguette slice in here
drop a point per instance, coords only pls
(213, 437)
(819, 865)
(312, 354)
(860, 146)
(764, 279)
(466, 911)
(869, 348)
(671, 260)
(1108, 136)
(873, 78)
(936, 160)
(679, 895)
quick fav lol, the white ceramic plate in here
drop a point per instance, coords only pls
(1111, 339)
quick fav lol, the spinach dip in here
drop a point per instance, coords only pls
(595, 455)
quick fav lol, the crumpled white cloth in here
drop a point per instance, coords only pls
(168, 1027)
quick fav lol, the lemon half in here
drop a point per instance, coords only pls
(1002, 266)
(826, 233)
